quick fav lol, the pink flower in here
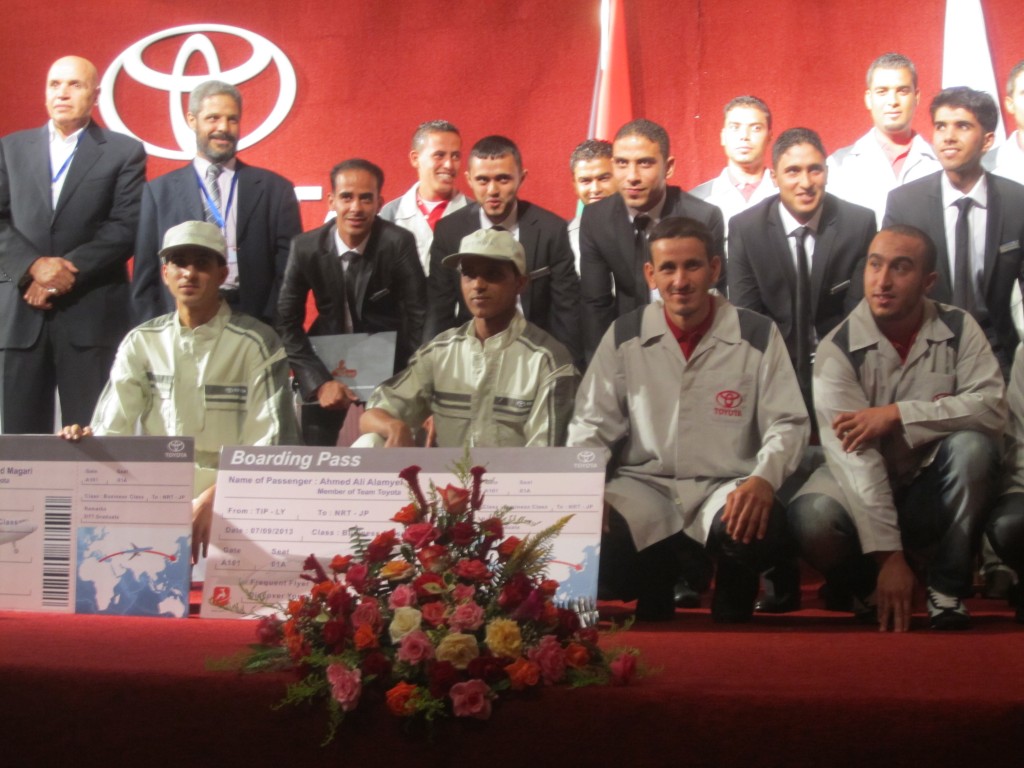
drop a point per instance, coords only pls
(433, 613)
(466, 616)
(404, 596)
(471, 699)
(623, 668)
(550, 657)
(419, 534)
(367, 613)
(346, 685)
(415, 648)
(463, 592)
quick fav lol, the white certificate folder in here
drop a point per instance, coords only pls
(360, 361)
(99, 526)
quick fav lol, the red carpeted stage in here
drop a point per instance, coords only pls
(810, 688)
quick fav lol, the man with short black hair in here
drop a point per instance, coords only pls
(436, 155)
(256, 210)
(910, 403)
(891, 153)
(497, 381)
(613, 231)
(696, 407)
(365, 276)
(1008, 158)
(551, 298)
(591, 167)
(976, 219)
(746, 179)
(203, 371)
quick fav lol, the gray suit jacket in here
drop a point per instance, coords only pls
(268, 219)
(93, 226)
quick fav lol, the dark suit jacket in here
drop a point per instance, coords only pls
(762, 275)
(919, 204)
(268, 219)
(552, 298)
(93, 226)
(390, 295)
(606, 258)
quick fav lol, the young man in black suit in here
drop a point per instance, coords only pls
(551, 299)
(256, 209)
(366, 277)
(613, 245)
(69, 207)
(964, 204)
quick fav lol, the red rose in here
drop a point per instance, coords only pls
(471, 570)
(589, 635)
(376, 664)
(492, 528)
(454, 499)
(433, 557)
(335, 633)
(441, 676)
(428, 585)
(339, 601)
(623, 668)
(490, 669)
(514, 592)
(408, 514)
(568, 623)
(434, 613)
(508, 547)
(419, 534)
(401, 698)
(357, 576)
(462, 534)
(380, 548)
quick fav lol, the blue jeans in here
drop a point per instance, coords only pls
(939, 515)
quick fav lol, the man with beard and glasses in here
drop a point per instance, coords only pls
(255, 209)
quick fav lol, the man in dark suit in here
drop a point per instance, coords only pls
(763, 258)
(613, 246)
(255, 208)
(551, 299)
(969, 212)
(797, 257)
(366, 277)
(69, 207)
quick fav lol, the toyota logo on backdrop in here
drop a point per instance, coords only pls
(176, 83)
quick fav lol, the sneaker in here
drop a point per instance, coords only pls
(947, 611)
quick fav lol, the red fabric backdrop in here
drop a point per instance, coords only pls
(370, 70)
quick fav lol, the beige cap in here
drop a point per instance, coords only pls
(194, 234)
(497, 244)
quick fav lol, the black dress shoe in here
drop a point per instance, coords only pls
(685, 596)
(778, 603)
(735, 590)
(655, 603)
(836, 598)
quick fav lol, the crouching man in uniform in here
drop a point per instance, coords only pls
(696, 406)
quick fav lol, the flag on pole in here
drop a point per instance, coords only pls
(966, 59)
(613, 100)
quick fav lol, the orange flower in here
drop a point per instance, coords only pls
(508, 546)
(402, 699)
(322, 590)
(454, 499)
(396, 570)
(295, 606)
(407, 515)
(576, 655)
(523, 673)
(366, 638)
(340, 562)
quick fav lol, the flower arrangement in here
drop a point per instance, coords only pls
(438, 620)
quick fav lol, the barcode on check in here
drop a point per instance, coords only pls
(56, 551)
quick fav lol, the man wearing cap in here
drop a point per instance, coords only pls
(496, 381)
(202, 371)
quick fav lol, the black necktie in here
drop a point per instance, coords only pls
(350, 259)
(803, 313)
(963, 279)
(640, 257)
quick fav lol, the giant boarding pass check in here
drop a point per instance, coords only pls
(276, 506)
(98, 526)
